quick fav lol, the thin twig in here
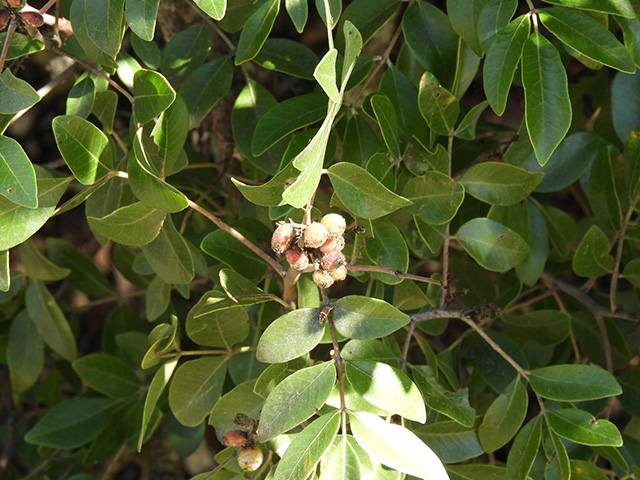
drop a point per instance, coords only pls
(5, 47)
(390, 271)
(222, 465)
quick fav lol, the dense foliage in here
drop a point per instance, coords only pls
(486, 157)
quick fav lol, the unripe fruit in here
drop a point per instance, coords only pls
(250, 459)
(323, 278)
(315, 235)
(334, 223)
(340, 273)
(331, 261)
(297, 258)
(235, 438)
(333, 244)
(281, 239)
(33, 19)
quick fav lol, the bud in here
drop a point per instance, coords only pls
(297, 258)
(331, 261)
(334, 223)
(333, 244)
(340, 273)
(323, 278)
(315, 235)
(235, 438)
(33, 19)
(281, 239)
(250, 458)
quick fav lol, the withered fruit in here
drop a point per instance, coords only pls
(282, 237)
(334, 223)
(314, 235)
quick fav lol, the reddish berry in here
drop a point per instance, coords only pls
(33, 19)
(331, 261)
(235, 438)
(333, 244)
(250, 459)
(315, 235)
(281, 239)
(340, 273)
(323, 278)
(297, 258)
(5, 16)
(334, 223)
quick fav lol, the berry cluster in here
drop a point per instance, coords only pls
(316, 247)
(250, 457)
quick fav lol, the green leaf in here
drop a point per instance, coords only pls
(631, 163)
(587, 36)
(584, 470)
(592, 257)
(15, 93)
(222, 246)
(386, 387)
(630, 396)
(558, 464)
(25, 353)
(141, 17)
(625, 104)
(504, 417)
(236, 287)
(99, 28)
(573, 383)
(436, 197)
(17, 176)
(49, 320)
(107, 374)
(298, 11)
(295, 399)
(335, 9)
(499, 183)
(364, 317)
(104, 108)
(466, 130)
(450, 441)
(362, 194)
(438, 106)
(546, 327)
(18, 223)
(581, 427)
(217, 321)
(308, 447)
(464, 16)
(169, 255)
(352, 50)
(288, 56)
(205, 86)
(84, 148)
(157, 298)
(214, 8)
(5, 274)
(152, 95)
(547, 103)
(136, 224)
(388, 123)
(325, 75)
(170, 134)
(615, 7)
(290, 336)
(72, 423)
(388, 249)
(368, 16)
(81, 98)
(286, 117)
(396, 447)
(158, 383)
(187, 50)
(21, 45)
(342, 462)
(632, 272)
(524, 449)
(241, 399)
(195, 388)
(256, 30)
(495, 16)
(477, 472)
(491, 244)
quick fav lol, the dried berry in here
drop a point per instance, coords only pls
(5, 16)
(235, 438)
(332, 261)
(314, 235)
(244, 421)
(33, 19)
(333, 244)
(281, 239)
(334, 223)
(340, 273)
(13, 3)
(297, 258)
(250, 458)
(323, 278)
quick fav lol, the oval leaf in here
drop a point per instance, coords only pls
(107, 374)
(581, 427)
(499, 183)
(152, 95)
(573, 383)
(17, 176)
(290, 336)
(363, 318)
(592, 257)
(136, 224)
(436, 197)
(15, 93)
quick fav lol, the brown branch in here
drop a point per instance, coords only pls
(5, 47)
(395, 273)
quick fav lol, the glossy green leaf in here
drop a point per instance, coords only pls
(436, 197)
(362, 194)
(587, 36)
(17, 177)
(615, 7)
(81, 98)
(631, 163)
(341, 462)
(72, 423)
(15, 93)
(107, 374)
(386, 387)
(99, 28)
(632, 272)
(524, 449)
(49, 320)
(464, 16)
(547, 327)
(136, 224)
(141, 17)
(625, 104)
(573, 383)
(288, 56)
(368, 16)
(494, 17)
(438, 106)
(214, 8)
(450, 441)
(25, 353)
(195, 388)
(558, 463)
(603, 194)
(237, 287)
(585, 470)
(581, 427)
(334, 10)
(290, 336)
(477, 472)
(169, 255)
(85, 149)
(170, 134)
(185, 51)
(388, 123)
(454, 405)
(286, 117)
(499, 183)
(504, 417)
(38, 266)
(256, 30)
(104, 108)
(308, 447)
(491, 244)
(325, 75)
(359, 142)
(241, 399)
(352, 50)
(295, 399)
(547, 104)
(157, 298)
(592, 257)
(227, 249)
(388, 249)
(217, 321)
(363, 317)
(158, 383)
(5, 274)
(21, 45)
(396, 447)
(466, 130)
(298, 11)
(152, 95)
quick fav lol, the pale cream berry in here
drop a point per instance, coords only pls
(323, 278)
(334, 223)
(314, 235)
(332, 261)
(282, 237)
(250, 459)
(297, 258)
(333, 244)
(235, 438)
(340, 273)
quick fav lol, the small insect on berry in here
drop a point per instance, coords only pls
(282, 237)
(297, 258)
(334, 223)
(235, 438)
(314, 235)
(250, 458)
(340, 273)
(323, 278)
(333, 244)
(332, 261)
